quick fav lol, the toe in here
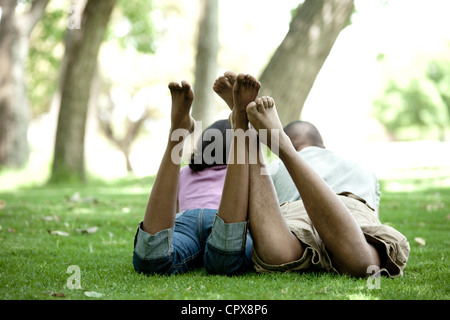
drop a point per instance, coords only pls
(174, 85)
(260, 104)
(217, 85)
(224, 82)
(257, 84)
(252, 108)
(240, 78)
(185, 85)
(230, 74)
(264, 102)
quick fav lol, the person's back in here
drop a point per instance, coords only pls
(340, 173)
(201, 189)
(201, 183)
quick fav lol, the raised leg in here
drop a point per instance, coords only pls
(340, 232)
(161, 207)
(272, 239)
(234, 203)
(275, 244)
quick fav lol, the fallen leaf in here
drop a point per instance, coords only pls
(59, 233)
(88, 230)
(77, 199)
(50, 218)
(12, 230)
(58, 294)
(93, 294)
(420, 241)
(2, 204)
(55, 294)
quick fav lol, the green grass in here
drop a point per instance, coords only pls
(33, 262)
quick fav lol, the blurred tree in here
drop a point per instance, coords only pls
(206, 62)
(421, 108)
(130, 27)
(17, 21)
(136, 28)
(122, 130)
(44, 58)
(438, 71)
(81, 54)
(125, 141)
(290, 74)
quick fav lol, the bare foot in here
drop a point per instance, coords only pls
(263, 116)
(245, 90)
(223, 86)
(182, 97)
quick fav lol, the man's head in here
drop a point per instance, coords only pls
(303, 134)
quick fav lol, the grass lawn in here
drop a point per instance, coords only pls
(45, 230)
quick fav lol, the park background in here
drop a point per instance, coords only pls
(407, 34)
(381, 96)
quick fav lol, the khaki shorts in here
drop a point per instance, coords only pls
(391, 245)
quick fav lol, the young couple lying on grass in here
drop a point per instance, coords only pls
(316, 211)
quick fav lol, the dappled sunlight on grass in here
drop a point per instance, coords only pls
(30, 176)
(416, 179)
(45, 229)
(359, 296)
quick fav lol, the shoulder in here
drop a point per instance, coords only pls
(185, 170)
(318, 154)
(186, 173)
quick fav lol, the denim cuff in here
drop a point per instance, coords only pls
(149, 247)
(228, 236)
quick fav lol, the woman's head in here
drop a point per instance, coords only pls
(213, 146)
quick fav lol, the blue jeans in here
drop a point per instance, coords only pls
(198, 238)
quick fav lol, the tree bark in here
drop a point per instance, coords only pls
(206, 63)
(291, 72)
(15, 30)
(68, 160)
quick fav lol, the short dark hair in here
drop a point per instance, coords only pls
(303, 134)
(198, 162)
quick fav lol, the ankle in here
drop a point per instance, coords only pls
(177, 134)
(239, 122)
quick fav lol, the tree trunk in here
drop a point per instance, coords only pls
(15, 30)
(68, 160)
(79, 5)
(291, 72)
(206, 63)
(124, 143)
